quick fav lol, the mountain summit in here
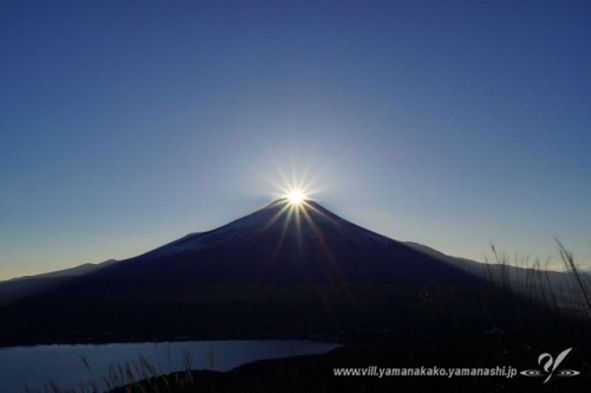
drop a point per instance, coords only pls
(282, 243)
(286, 269)
(304, 220)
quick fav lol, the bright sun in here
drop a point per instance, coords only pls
(296, 197)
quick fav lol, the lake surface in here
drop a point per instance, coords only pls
(63, 365)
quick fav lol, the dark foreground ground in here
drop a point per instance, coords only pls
(316, 373)
(456, 325)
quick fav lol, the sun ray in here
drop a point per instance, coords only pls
(296, 211)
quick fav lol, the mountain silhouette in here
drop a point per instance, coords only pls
(284, 270)
(281, 244)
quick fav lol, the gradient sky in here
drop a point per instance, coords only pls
(127, 124)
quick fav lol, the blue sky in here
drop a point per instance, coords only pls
(127, 124)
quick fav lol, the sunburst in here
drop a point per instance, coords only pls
(296, 197)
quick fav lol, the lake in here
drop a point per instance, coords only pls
(35, 367)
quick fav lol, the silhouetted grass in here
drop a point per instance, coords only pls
(523, 286)
(140, 373)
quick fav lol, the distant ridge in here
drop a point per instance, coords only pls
(27, 285)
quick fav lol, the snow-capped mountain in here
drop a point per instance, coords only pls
(277, 244)
(284, 269)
